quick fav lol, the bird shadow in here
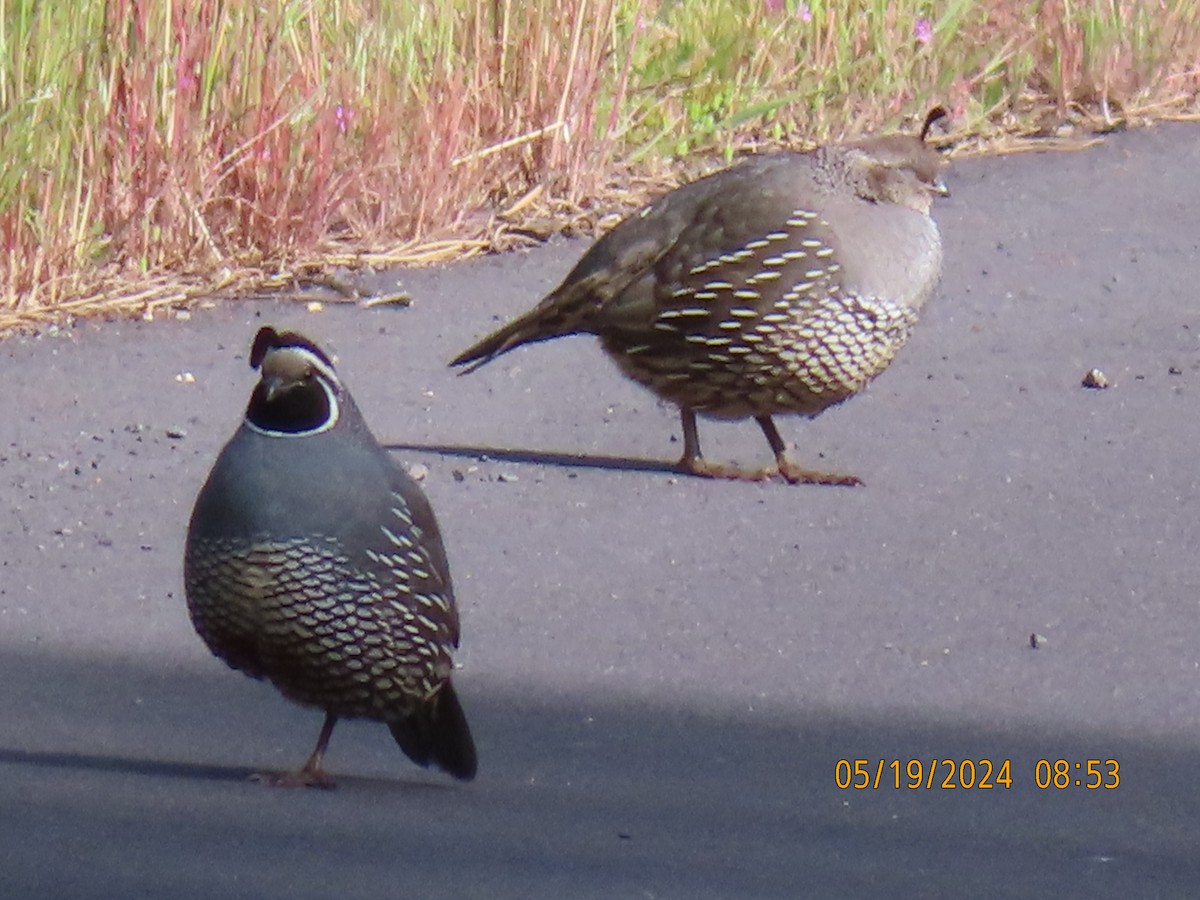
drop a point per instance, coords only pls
(58, 759)
(91, 762)
(543, 457)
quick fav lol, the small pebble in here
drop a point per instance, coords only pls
(315, 306)
(176, 433)
(418, 471)
(1036, 640)
(1095, 379)
(185, 378)
(506, 478)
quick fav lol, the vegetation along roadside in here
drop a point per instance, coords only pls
(158, 152)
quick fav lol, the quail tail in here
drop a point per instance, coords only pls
(549, 319)
(437, 734)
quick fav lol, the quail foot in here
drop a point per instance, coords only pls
(314, 562)
(783, 284)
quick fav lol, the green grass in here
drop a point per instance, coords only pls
(157, 149)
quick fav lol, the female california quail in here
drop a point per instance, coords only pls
(314, 562)
(783, 284)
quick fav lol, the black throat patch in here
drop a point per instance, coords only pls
(295, 408)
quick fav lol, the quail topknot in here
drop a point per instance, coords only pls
(783, 284)
(314, 562)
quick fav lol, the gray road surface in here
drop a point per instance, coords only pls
(661, 673)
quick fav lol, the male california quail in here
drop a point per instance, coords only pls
(314, 562)
(783, 284)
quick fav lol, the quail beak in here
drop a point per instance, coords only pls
(273, 386)
(939, 188)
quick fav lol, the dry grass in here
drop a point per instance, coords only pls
(159, 151)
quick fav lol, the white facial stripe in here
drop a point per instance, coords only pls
(326, 370)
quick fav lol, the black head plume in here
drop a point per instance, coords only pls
(270, 339)
(933, 116)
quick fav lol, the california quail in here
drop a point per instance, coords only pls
(314, 562)
(783, 284)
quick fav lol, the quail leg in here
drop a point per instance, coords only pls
(693, 462)
(311, 775)
(793, 473)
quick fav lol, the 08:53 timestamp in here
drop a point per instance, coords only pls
(974, 774)
(1084, 773)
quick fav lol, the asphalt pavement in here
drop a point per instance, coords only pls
(662, 673)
